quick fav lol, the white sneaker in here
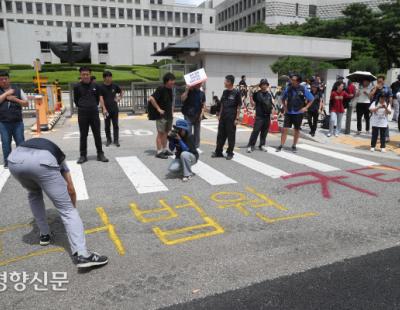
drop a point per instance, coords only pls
(249, 150)
(329, 135)
(383, 150)
(372, 149)
(336, 135)
(264, 148)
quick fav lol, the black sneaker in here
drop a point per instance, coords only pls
(279, 148)
(91, 261)
(168, 153)
(217, 155)
(44, 240)
(5, 166)
(116, 143)
(102, 158)
(229, 156)
(108, 143)
(82, 160)
(162, 155)
(294, 149)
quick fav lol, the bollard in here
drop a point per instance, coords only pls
(41, 114)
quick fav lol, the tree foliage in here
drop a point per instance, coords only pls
(375, 34)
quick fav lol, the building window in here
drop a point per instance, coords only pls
(153, 15)
(96, 25)
(86, 11)
(39, 8)
(162, 31)
(104, 25)
(162, 16)
(77, 10)
(67, 9)
(146, 30)
(104, 12)
(44, 47)
(312, 11)
(112, 12)
(146, 14)
(137, 1)
(103, 48)
(95, 11)
(192, 18)
(162, 45)
(40, 22)
(1, 24)
(78, 25)
(154, 31)
(155, 47)
(9, 7)
(211, 19)
(50, 23)
(185, 17)
(129, 13)
(199, 18)
(58, 9)
(138, 15)
(178, 32)
(169, 16)
(49, 9)
(138, 30)
(18, 7)
(297, 9)
(86, 25)
(121, 13)
(170, 31)
(177, 17)
(29, 7)
(59, 23)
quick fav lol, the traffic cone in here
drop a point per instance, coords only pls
(245, 119)
(274, 128)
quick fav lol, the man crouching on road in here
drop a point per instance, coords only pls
(39, 165)
(181, 140)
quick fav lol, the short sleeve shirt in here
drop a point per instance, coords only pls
(164, 97)
(230, 102)
(109, 92)
(307, 95)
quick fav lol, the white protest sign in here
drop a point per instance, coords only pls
(195, 77)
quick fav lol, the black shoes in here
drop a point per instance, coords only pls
(102, 158)
(217, 155)
(82, 160)
(279, 148)
(108, 143)
(5, 166)
(91, 261)
(168, 153)
(162, 155)
(116, 143)
(229, 156)
(44, 240)
(294, 149)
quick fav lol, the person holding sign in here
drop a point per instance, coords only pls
(231, 102)
(194, 100)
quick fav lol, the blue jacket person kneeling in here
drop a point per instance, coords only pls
(186, 154)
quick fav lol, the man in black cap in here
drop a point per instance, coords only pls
(263, 102)
(231, 103)
(87, 98)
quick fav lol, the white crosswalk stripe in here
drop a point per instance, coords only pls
(4, 175)
(141, 177)
(78, 180)
(211, 175)
(302, 160)
(336, 155)
(212, 124)
(258, 166)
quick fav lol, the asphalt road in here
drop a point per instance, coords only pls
(263, 238)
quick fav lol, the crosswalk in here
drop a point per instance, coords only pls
(144, 180)
(212, 125)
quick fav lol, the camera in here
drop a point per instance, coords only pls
(173, 134)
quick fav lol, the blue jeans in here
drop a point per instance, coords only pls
(8, 131)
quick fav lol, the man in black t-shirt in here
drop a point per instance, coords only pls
(396, 104)
(231, 103)
(109, 92)
(87, 98)
(162, 102)
(263, 101)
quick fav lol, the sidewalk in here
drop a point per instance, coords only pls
(360, 142)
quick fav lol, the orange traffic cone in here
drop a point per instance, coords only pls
(245, 119)
(274, 128)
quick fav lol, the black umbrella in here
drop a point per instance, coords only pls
(360, 76)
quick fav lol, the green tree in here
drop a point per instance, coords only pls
(370, 64)
(303, 66)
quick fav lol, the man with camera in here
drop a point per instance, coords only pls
(182, 142)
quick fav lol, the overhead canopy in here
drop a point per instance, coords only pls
(178, 48)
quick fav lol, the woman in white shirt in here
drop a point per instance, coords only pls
(379, 120)
(363, 103)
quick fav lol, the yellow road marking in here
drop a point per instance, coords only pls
(111, 231)
(30, 255)
(271, 220)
